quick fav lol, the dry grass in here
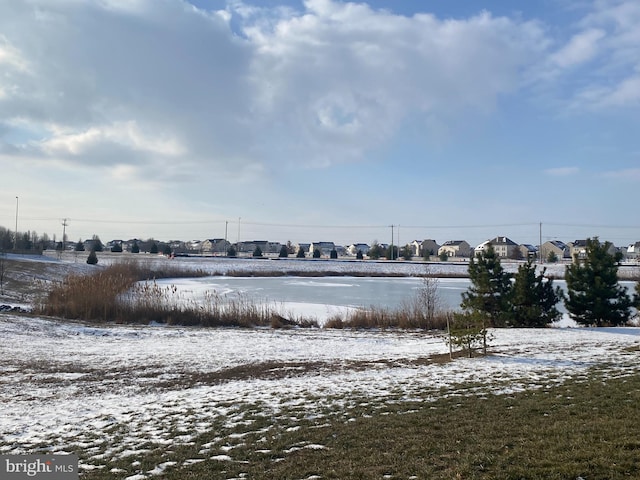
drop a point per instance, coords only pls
(113, 295)
(578, 429)
(404, 318)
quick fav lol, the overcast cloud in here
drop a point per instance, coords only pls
(154, 94)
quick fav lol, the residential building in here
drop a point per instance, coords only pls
(455, 248)
(560, 249)
(578, 249)
(264, 245)
(304, 246)
(425, 248)
(633, 251)
(215, 246)
(527, 252)
(503, 246)
(324, 247)
(355, 247)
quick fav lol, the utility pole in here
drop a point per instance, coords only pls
(64, 234)
(226, 225)
(540, 246)
(391, 247)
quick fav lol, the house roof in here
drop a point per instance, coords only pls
(453, 243)
(559, 244)
(502, 241)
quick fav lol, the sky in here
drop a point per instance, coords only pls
(321, 120)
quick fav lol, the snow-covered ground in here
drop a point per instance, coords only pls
(109, 391)
(113, 392)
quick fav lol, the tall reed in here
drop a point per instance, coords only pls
(128, 293)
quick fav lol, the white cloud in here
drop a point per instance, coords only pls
(629, 174)
(126, 134)
(131, 81)
(610, 40)
(581, 48)
(562, 171)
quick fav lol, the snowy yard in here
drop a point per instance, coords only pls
(113, 393)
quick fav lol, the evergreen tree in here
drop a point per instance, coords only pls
(359, 255)
(97, 244)
(534, 298)
(257, 252)
(92, 259)
(333, 254)
(284, 251)
(135, 248)
(317, 253)
(300, 253)
(406, 252)
(166, 250)
(552, 257)
(444, 256)
(468, 331)
(154, 248)
(80, 246)
(375, 252)
(231, 252)
(490, 290)
(594, 296)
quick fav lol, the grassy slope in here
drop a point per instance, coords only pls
(584, 428)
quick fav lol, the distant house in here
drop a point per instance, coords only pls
(633, 251)
(578, 249)
(455, 248)
(425, 248)
(503, 246)
(324, 247)
(528, 252)
(303, 246)
(355, 247)
(264, 245)
(215, 246)
(560, 249)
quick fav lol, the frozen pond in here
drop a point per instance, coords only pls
(338, 291)
(322, 296)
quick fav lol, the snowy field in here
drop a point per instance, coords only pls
(115, 392)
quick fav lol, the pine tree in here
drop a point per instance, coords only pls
(257, 252)
(300, 253)
(375, 252)
(534, 298)
(135, 248)
(154, 248)
(594, 296)
(333, 254)
(92, 259)
(490, 290)
(284, 252)
(97, 244)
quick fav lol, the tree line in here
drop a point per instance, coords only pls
(529, 299)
